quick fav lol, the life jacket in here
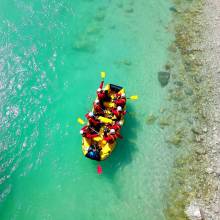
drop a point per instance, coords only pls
(112, 137)
(98, 108)
(116, 126)
(102, 96)
(120, 102)
(117, 113)
(92, 120)
(90, 136)
(85, 129)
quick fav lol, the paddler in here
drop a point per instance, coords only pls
(98, 107)
(92, 119)
(112, 136)
(87, 132)
(118, 112)
(116, 126)
(102, 94)
(120, 100)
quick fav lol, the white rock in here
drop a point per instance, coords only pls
(209, 170)
(193, 212)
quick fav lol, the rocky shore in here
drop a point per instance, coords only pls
(210, 207)
(192, 123)
(206, 206)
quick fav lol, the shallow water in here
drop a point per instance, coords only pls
(51, 53)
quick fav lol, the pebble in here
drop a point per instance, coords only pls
(209, 170)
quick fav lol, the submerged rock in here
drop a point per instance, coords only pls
(172, 48)
(125, 62)
(129, 10)
(120, 5)
(175, 139)
(100, 16)
(173, 9)
(163, 78)
(151, 118)
(83, 44)
(188, 91)
(168, 66)
(178, 83)
(93, 29)
(164, 121)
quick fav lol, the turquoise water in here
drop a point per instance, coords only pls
(51, 54)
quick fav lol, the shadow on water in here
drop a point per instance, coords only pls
(125, 148)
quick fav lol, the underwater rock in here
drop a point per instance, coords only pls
(188, 91)
(196, 130)
(178, 83)
(151, 118)
(84, 44)
(201, 151)
(125, 62)
(120, 5)
(93, 29)
(177, 95)
(100, 16)
(129, 10)
(163, 78)
(112, 26)
(175, 140)
(162, 110)
(164, 121)
(172, 48)
(168, 67)
(173, 9)
(194, 212)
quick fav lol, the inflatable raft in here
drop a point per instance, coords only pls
(97, 148)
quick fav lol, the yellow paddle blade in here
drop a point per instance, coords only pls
(103, 75)
(105, 120)
(80, 121)
(134, 97)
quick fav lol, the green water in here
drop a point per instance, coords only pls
(51, 54)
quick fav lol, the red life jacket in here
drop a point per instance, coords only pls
(120, 102)
(101, 95)
(112, 137)
(116, 126)
(98, 108)
(85, 129)
(92, 120)
(90, 136)
(118, 113)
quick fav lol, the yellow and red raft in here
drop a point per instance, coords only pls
(102, 148)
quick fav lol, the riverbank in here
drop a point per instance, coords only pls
(211, 45)
(194, 91)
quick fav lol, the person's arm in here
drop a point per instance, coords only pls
(85, 128)
(101, 85)
(119, 136)
(92, 135)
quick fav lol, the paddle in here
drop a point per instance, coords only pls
(133, 97)
(80, 121)
(103, 75)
